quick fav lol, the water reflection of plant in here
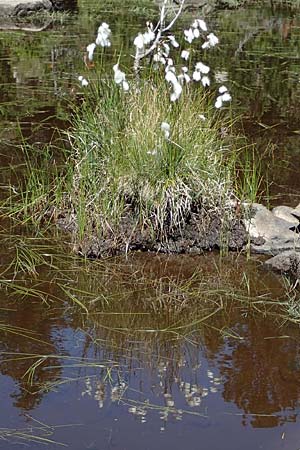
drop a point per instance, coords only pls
(146, 331)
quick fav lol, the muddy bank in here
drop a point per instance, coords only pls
(255, 228)
(201, 232)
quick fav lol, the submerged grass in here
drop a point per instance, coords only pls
(39, 434)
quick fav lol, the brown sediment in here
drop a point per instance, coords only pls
(201, 232)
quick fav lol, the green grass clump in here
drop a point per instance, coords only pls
(123, 161)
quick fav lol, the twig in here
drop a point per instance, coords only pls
(160, 30)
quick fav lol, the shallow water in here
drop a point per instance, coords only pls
(210, 372)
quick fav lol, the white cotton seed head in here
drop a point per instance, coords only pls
(125, 85)
(202, 68)
(196, 33)
(83, 81)
(213, 40)
(166, 50)
(176, 93)
(189, 35)
(119, 76)
(219, 103)
(223, 89)
(173, 41)
(139, 41)
(159, 58)
(197, 75)
(171, 77)
(103, 35)
(90, 49)
(202, 25)
(226, 97)
(165, 127)
(185, 54)
(148, 37)
(205, 81)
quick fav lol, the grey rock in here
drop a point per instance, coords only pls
(287, 213)
(22, 8)
(277, 233)
(286, 262)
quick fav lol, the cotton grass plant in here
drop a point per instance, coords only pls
(147, 154)
(159, 169)
(147, 147)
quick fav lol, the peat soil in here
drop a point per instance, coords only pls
(202, 231)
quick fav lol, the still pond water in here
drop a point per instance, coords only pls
(210, 372)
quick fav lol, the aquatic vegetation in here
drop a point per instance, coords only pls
(38, 434)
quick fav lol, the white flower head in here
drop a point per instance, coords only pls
(103, 35)
(202, 24)
(196, 33)
(166, 50)
(212, 41)
(152, 152)
(185, 54)
(226, 97)
(223, 97)
(187, 78)
(83, 81)
(165, 127)
(223, 89)
(125, 85)
(176, 93)
(173, 41)
(158, 57)
(199, 23)
(148, 36)
(197, 75)
(219, 103)
(184, 77)
(205, 81)
(139, 41)
(90, 49)
(189, 35)
(202, 68)
(120, 78)
(171, 77)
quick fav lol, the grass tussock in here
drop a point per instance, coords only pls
(123, 159)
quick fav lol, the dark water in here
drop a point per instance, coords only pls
(212, 371)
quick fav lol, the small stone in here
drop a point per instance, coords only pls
(286, 213)
(287, 262)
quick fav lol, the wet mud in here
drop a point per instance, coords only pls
(201, 232)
